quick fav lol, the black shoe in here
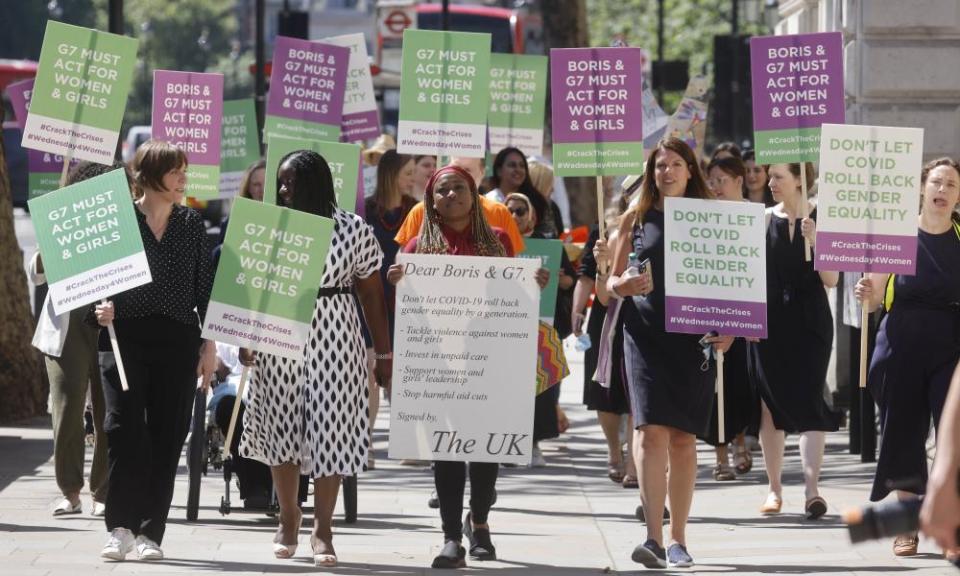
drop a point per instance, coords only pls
(642, 518)
(451, 556)
(481, 548)
(650, 554)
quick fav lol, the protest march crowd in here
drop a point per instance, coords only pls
(699, 298)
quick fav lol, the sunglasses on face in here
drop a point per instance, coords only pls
(521, 212)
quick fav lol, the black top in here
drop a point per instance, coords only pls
(588, 263)
(936, 284)
(181, 269)
(648, 244)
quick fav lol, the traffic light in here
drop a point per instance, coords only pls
(731, 113)
(293, 24)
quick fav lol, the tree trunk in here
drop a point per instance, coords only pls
(22, 389)
(565, 26)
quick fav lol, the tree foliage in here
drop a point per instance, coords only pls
(187, 35)
(689, 27)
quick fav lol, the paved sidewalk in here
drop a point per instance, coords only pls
(565, 519)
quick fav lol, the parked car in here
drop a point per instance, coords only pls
(136, 136)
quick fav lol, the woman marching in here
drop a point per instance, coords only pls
(671, 395)
(309, 416)
(789, 368)
(725, 177)
(454, 224)
(918, 344)
(158, 330)
(384, 212)
(549, 421)
(69, 347)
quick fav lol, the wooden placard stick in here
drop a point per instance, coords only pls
(864, 321)
(236, 411)
(721, 432)
(601, 221)
(808, 254)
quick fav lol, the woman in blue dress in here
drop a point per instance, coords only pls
(670, 388)
(918, 344)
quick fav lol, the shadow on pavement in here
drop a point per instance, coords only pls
(22, 457)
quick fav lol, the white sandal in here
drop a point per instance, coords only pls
(65, 507)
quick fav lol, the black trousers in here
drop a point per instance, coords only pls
(147, 425)
(450, 479)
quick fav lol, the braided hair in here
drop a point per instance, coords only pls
(86, 170)
(313, 183)
(431, 239)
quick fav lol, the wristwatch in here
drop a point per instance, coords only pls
(387, 356)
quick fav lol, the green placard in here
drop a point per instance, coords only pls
(344, 161)
(444, 93)
(89, 240)
(518, 94)
(240, 145)
(80, 92)
(271, 265)
(549, 253)
(40, 183)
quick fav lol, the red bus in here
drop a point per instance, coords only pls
(13, 70)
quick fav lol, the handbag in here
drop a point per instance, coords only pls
(552, 365)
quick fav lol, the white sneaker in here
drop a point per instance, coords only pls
(147, 549)
(119, 544)
(538, 461)
(99, 509)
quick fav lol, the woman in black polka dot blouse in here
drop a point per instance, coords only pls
(158, 330)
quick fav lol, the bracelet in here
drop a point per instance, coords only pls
(387, 356)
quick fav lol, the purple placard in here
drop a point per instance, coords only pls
(797, 81)
(866, 253)
(188, 113)
(360, 126)
(599, 90)
(728, 317)
(20, 93)
(39, 162)
(308, 80)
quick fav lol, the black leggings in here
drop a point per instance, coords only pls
(146, 426)
(450, 479)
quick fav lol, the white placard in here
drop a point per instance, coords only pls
(715, 267)
(464, 369)
(868, 198)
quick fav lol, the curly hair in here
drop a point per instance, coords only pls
(431, 239)
(86, 170)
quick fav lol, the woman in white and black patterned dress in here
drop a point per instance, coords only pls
(309, 416)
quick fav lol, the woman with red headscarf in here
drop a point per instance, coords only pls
(454, 225)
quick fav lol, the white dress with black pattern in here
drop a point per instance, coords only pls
(314, 412)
